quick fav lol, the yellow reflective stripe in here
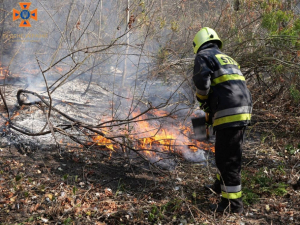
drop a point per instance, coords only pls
(233, 118)
(202, 97)
(224, 78)
(231, 195)
(218, 176)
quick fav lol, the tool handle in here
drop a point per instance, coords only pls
(207, 126)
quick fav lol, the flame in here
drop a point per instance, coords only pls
(12, 117)
(103, 141)
(15, 115)
(174, 139)
(160, 113)
(152, 139)
(3, 72)
(162, 138)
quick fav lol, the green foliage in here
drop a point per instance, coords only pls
(67, 221)
(156, 213)
(173, 205)
(18, 177)
(171, 208)
(249, 197)
(266, 135)
(65, 177)
(162, 55)
(262, 182)
(275, 20)
(31, 219)
(295, 93)
(291, 149)
(174, 26)
(263, 137)
(279, 68)
(74, 190)
(261, 179)
(26, 194)
(280, 169)
(280, 189)
(281, 23)
(151, 217)
(121, 187)
(162, 23)
(41, 188)
(297, 25)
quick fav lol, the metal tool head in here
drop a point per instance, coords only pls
(201, 131)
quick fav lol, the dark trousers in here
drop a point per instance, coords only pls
(228, 154)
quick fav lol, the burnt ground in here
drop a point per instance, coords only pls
(80, 187)
(40, 185)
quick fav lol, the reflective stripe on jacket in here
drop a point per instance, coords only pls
(220, 82)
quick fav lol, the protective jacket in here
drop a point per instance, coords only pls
(221, 84)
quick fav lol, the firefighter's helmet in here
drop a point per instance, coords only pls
(206, 34)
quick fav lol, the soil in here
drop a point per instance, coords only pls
(41, 184)
(83, 187)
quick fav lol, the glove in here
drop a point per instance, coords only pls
(204, 106)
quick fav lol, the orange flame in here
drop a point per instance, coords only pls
(102, 141)
(151, 138)
(15, 115)
(175, 138)
(3, 71)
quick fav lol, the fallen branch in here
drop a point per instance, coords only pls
(4, 101)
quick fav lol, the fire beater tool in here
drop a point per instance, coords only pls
(202, 130)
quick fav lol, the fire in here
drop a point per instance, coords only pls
(3, 72)
(153, 139)
(15, 115)
(163, 141)
(102, 141)
(174, 139)
(160, 113)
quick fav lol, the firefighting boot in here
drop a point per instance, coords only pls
(228, 205)
(216, 186)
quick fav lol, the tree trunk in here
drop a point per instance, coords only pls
(127, 47)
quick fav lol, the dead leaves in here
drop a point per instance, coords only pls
(78, 25)
(49, 196)
(108, 206)
(108, 192)
(34, 208)
(131, 21)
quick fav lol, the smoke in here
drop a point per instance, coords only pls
(199, 156)
(89, 57)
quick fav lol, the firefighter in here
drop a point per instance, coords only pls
(222, 93)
